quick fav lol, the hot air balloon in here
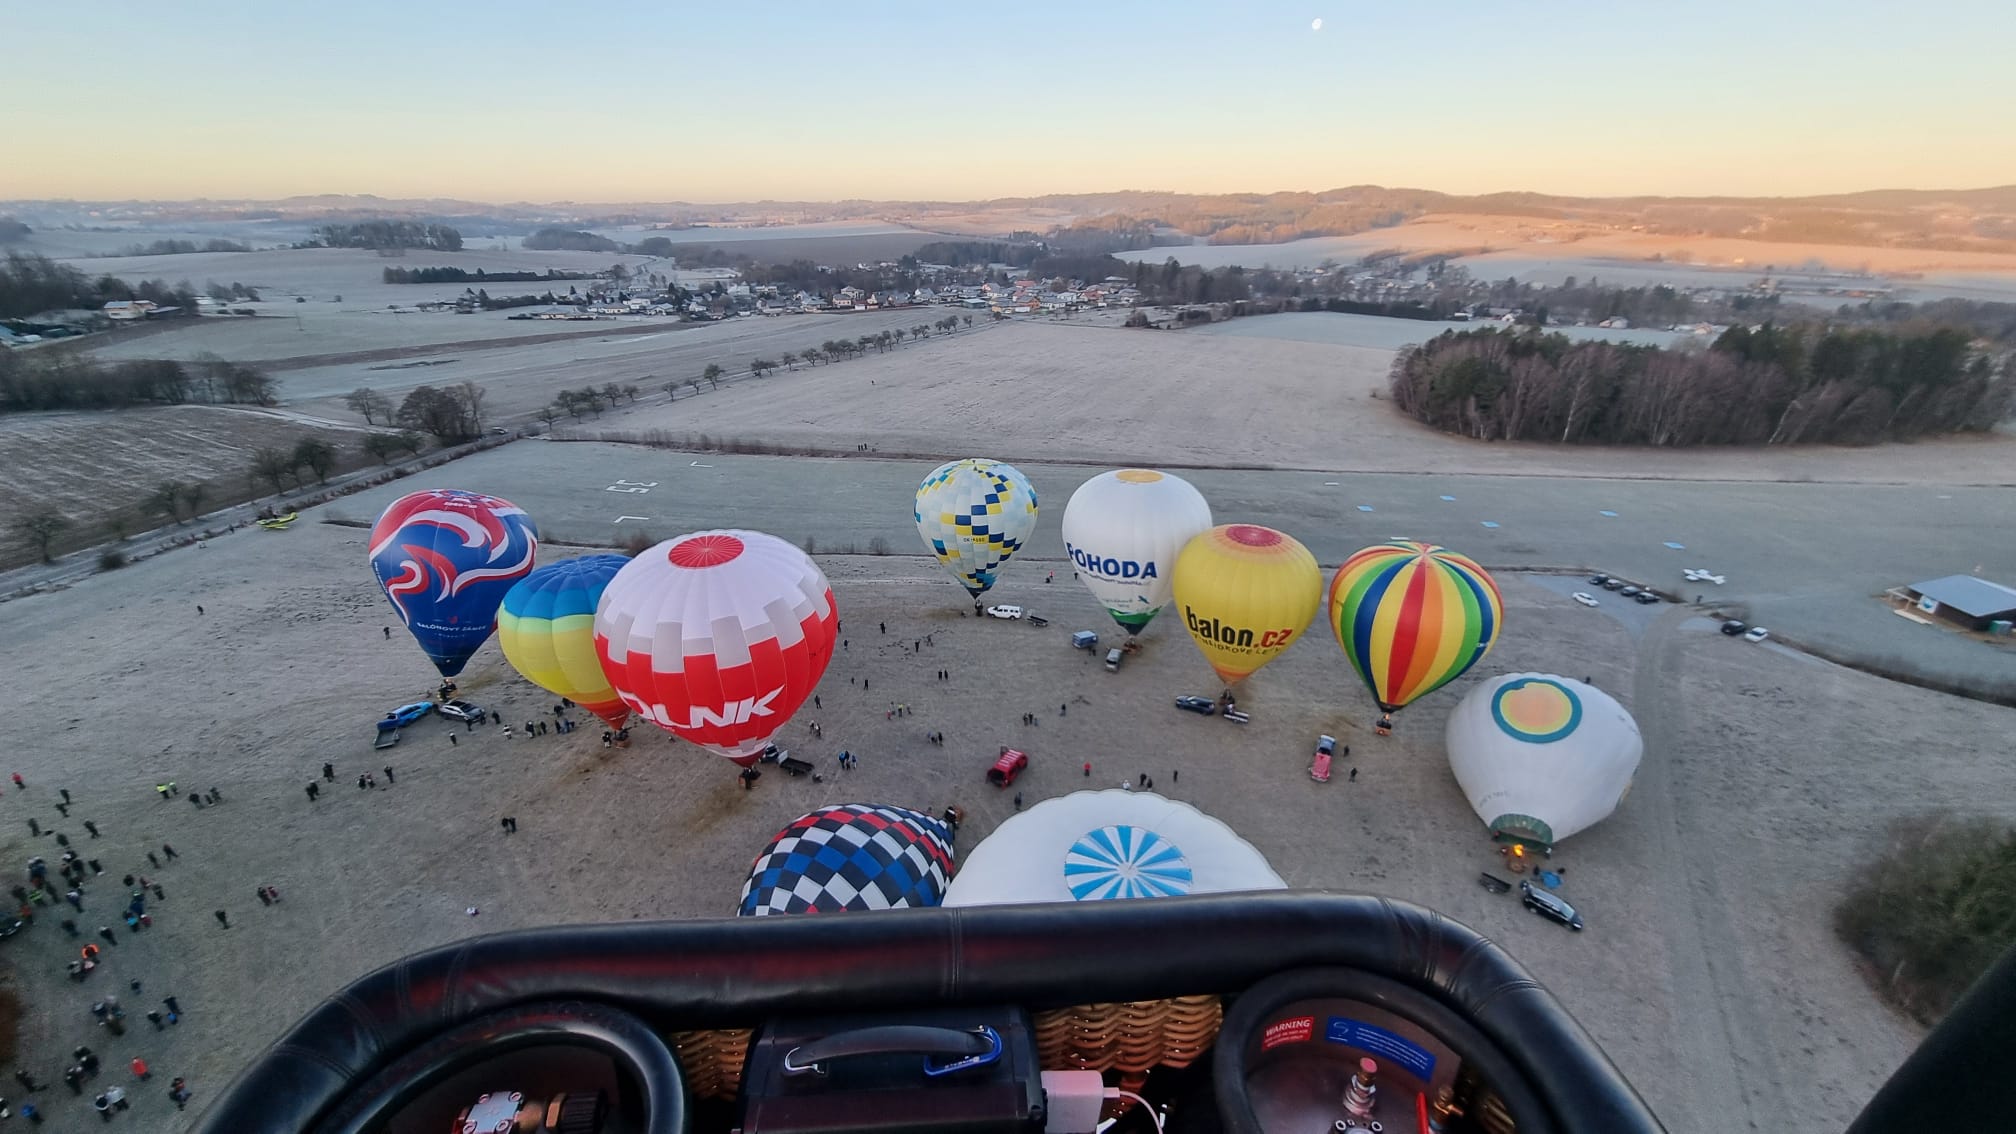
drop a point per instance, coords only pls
(445, 558)
(1247, 593)
(717, 637)
(1541, 757)
(850, 856)
(1123, 531)
(1412, 617)
(547, 630)
(1096, 845)
(973, 515)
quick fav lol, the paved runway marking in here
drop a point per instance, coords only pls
(632, 486)
(1449, 499)
(1332, 483)
(1489, 523)
(620, 519)
(1676, 546)
(698, 465)
(1607, 512)
(1364, 507)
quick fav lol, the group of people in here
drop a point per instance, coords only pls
(70, 880)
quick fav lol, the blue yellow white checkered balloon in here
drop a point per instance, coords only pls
(973, 515)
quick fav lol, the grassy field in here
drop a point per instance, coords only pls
(95, 466)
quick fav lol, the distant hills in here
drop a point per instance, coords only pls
(1956, 219)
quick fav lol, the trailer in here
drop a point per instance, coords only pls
(386, 738)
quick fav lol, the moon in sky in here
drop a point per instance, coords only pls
(1316, 24)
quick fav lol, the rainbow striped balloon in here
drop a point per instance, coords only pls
(1412, 617)
(547, 630)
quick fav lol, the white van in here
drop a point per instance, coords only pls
(1113, 657)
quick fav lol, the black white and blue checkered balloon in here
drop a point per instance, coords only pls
(851, 856)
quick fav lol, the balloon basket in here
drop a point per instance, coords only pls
(1130, 1038)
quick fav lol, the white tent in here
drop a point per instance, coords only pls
(1540, 756)
(1093, 845)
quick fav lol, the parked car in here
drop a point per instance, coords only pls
(1084, 640)
(1010, 612)
(1612, 584)
(1628, 591)
(1733, 628)
(463, 711)
(1007, 766)
(1544, 903)
(1319, 768)
(1645, 598)
(1756, 634)
(1203, 706)
(1599, 580)
(1113, 657)
(1584, 598)
(405, 715)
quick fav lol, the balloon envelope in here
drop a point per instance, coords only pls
(973, 515)
(1412, 617)
(445, 558)
(547, 631)
(1123, 531)
(717, 637)
(1095, 845)
(850, 856)
(1247, 593)
(1541, 757)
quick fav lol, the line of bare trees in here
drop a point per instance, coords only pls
(62, 379)
(1772, 385)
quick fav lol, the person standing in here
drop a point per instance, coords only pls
(388, 633)
(174, 1007)
(223, 919)
(105, 931)
(154, 1018)
(263, 899)
(166, 851)
(91, 827)
(314, 790)
(66, 794)
(389, 778)
(328, 772)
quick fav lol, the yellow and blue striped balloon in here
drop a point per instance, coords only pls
(547, 629)
(974, 514)
(1412, 617)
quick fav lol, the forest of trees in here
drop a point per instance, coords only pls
(460, 275)
(31, 283)
(389, 234)
(570, 240)
(1775, 385)
(1993, 321)
(47, 380)
(178, 247)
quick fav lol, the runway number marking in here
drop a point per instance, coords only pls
(632, 486)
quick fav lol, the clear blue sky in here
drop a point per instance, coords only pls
(952, 100)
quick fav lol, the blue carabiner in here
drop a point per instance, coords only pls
(967, 1063)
